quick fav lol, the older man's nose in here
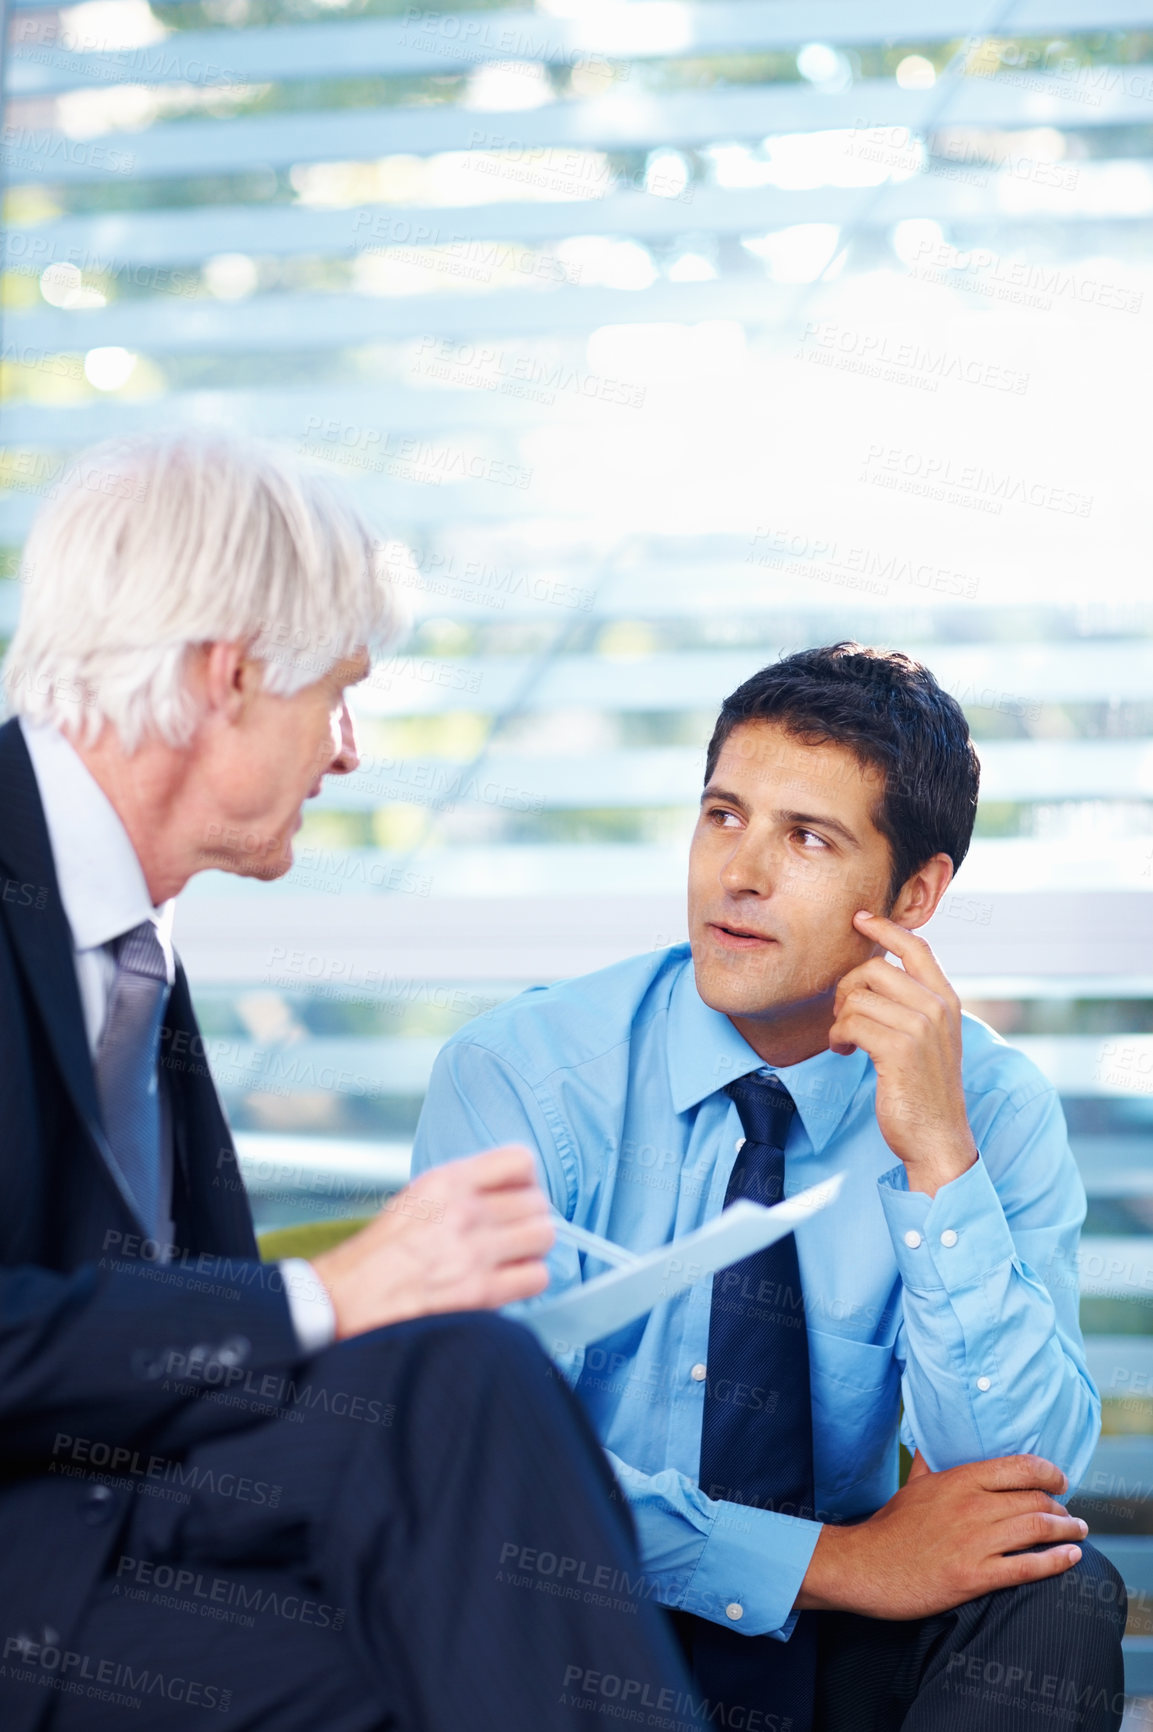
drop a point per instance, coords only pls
(348, 757)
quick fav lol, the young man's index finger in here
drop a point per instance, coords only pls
(914, 951)
(1017, 1472)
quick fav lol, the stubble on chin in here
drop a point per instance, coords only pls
(727, 984)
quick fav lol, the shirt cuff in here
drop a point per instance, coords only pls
(311, 1310)
(950, 1241)
(751, 1569)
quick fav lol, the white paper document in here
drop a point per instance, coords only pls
(606, 1303)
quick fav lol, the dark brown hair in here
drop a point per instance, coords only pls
(891, 713)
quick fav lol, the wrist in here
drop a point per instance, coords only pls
(328, 1268)
(358, 1281)
(933, 1169)
(830, 1574)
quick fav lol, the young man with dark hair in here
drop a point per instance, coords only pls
(753, 1421)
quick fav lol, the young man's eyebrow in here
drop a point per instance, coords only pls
(712, 792)
(818, 820)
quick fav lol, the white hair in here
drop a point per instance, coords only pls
(154, 544)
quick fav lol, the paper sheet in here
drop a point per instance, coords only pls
(605, 1304)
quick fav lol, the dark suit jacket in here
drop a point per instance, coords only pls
(89, 1327)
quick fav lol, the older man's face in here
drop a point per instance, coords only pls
(276, 758)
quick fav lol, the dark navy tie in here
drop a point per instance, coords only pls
(126, 1067)
(757, 1438)
(757, 1434)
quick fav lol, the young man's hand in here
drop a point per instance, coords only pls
(946, 1538)
(908, 1020)
(468, 1236)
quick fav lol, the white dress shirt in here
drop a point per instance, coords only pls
(104, 894)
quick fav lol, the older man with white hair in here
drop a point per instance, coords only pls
(302, 1494)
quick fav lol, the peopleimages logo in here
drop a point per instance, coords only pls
(129, 1464)
(486, 367)
(878, 354)
(104, 1680)
(935, 475)
(624, 1698)
(873, 570)
(23, 148)
(219, 1594)
(1017, 281)
(45, 42)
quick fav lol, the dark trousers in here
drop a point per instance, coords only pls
(1043, 1655)
(425, 1537)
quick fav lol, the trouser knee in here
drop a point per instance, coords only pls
(1092, 1589)
(468, 1343)
(1053, 1644)
(475, 1337)
(473, 1353)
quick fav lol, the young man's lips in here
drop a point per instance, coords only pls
(739, 938)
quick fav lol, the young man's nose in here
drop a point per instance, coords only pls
(749, 868)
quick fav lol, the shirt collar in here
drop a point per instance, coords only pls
(705, 1054)
(102, 883)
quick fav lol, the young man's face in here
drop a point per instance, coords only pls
(784, 854)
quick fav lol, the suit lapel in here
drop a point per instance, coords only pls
(31, 906)
(42, 938)
(217, 1215)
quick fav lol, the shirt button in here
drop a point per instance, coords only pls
(984, 1383)
(948, 1237)
(699, 1373)
(740, 1144)
(734, 1611)
(912, 1238)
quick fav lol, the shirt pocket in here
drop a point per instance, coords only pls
(856, 1390)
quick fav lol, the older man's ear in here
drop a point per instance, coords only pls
(224, 677)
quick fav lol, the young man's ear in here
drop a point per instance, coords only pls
(919, 895)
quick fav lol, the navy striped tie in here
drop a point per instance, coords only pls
(126, 1067)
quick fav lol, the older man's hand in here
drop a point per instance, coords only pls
(468, 1236)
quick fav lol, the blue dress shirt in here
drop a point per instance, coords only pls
(963, 1306)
